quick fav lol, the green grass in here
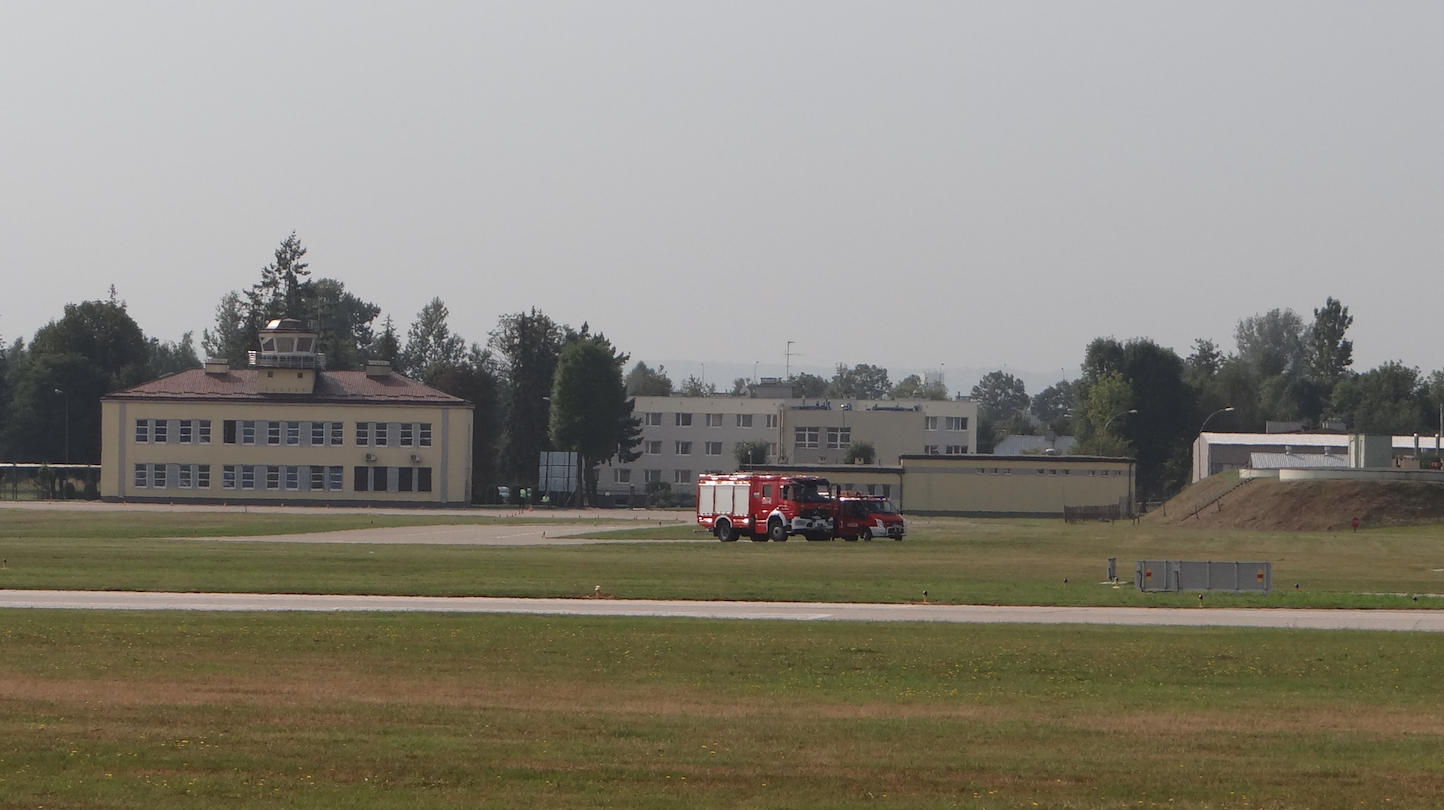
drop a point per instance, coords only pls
(351, 710)
(956, 561)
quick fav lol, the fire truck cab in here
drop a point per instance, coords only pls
(765, 507)
(864, 517)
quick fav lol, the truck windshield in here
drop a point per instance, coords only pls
(881, 508)
(808, 492)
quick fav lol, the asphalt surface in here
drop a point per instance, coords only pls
(1431, 621)
(609, 515)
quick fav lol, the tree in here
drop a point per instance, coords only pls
(228, 342)
(860, 453)
(1205, 361)
(913, 387)
(474, 380)
(430, 345)
(753, 452)
(1107, 398)
(694, 387)
(589, 404)
(343, 324)
(46, 386)
(1167, 407)
(527, 345)
(168, 357)
(103, 333)
(1387, 399)
(1272, 344)
(862, 381)
(388, 345)
(1329, 353)
(1053, 404)
(999, 395)
(644, 382)
(740, 387)
(808, 386)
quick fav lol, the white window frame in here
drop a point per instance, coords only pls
(142, 431)
(203, 476)
(714, 420)
(621, 476)
(652, 476)
(318, 477)
(273, 434)
(248, 476)
(955, 450)
(956, 423)
(273, 478)
(380, 434)
(335, 478)
(184, 477)
(772, 420)
(808, 438)
(158, 476)
(203, 431)
(248, 432)
(839, 438)
(318, 434)
(931, 450)
(713, 448)
(423, 438)
(293, 478)
(681, 476)
(187, 432)
(684, 420)
(228, 476)
(653, 448)
(408, 434)
(363, 434)
(338, 433)
(653, 419)
(930, 423)
(293, 434)
(159, 431)
(744, 420)
(142, 476)
(682, 448)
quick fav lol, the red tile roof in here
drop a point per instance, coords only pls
(351, 387)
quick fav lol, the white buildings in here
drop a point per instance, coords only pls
(684, 436)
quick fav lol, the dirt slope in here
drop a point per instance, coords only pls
(1270, 505)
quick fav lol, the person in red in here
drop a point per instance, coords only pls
(1355, 524)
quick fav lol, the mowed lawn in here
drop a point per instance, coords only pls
(401, 711)
(954, 560)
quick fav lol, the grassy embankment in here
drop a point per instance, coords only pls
(205, 710)
(956, 561)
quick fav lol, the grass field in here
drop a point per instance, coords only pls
(281, 710)
(956, 561)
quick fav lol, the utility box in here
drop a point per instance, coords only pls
(1368, 450)
(1171, 576)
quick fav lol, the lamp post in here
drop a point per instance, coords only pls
(1115, 416)
(1229, 409)
(67, 423)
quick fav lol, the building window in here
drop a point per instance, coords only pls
(157, 476)
(248, 432)
(838, 438)
(714, 420)
(158, 435)
(714, 448)
(684, 448)
(378, 479)
(423, 479)
(142, 475)
(684, 420)
(203, 476)
(183, 476)
(142, 433)
(273, 433)
(273, 477)
(228, 476)
(930, 423)
(807, 437)
(772, 449)
(407, 435)
(425, 434)
(772, 420)
(744, 420)
(403, 479)
(187, 432)
(337, 434)
(205, 431)
(681, 476)
(654, 448)
(654, 419)
(652, 476)
(379, 434)
(957, 423)
(956, 450)
(363, 436)
(293, 478)
(318, 434)
(621, 476)
(228, 431)
(318, 477)
(248, 477)
(361, 481)
(334, 477)
(293, 434)
(930, 450)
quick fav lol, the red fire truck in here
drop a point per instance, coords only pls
(766, 507)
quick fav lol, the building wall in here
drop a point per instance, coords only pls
(674, 452)
(447, 458)
(1027, 486)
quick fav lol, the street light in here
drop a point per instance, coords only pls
(1229, 409)
(1115, 416)
(67, 423)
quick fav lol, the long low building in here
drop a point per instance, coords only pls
(986, 485)
(1220, 452)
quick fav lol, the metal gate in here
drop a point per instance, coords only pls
(1163, 576)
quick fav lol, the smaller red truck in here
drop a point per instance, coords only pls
(863, 517)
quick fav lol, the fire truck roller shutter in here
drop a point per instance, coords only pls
(742, 499)
(706, 498)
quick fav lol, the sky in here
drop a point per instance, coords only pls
(923, 186)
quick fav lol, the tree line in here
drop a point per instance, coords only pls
(861, 381)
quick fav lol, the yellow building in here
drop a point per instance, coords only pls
(285, 430)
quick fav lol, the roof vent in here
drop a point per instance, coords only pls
(217, 366)
(377, 368)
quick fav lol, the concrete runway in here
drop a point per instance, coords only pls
(544, 534)
(1431, 621)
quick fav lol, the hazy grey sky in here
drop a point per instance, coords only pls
(906, 184)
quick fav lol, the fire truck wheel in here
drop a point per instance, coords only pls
(867, 535)
(776, 532)
(725, 532)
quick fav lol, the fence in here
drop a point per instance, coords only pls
(1166, 576)
(1079, 514)
(44, 482)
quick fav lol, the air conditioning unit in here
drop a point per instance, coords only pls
(370, 457)
(415, 459)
